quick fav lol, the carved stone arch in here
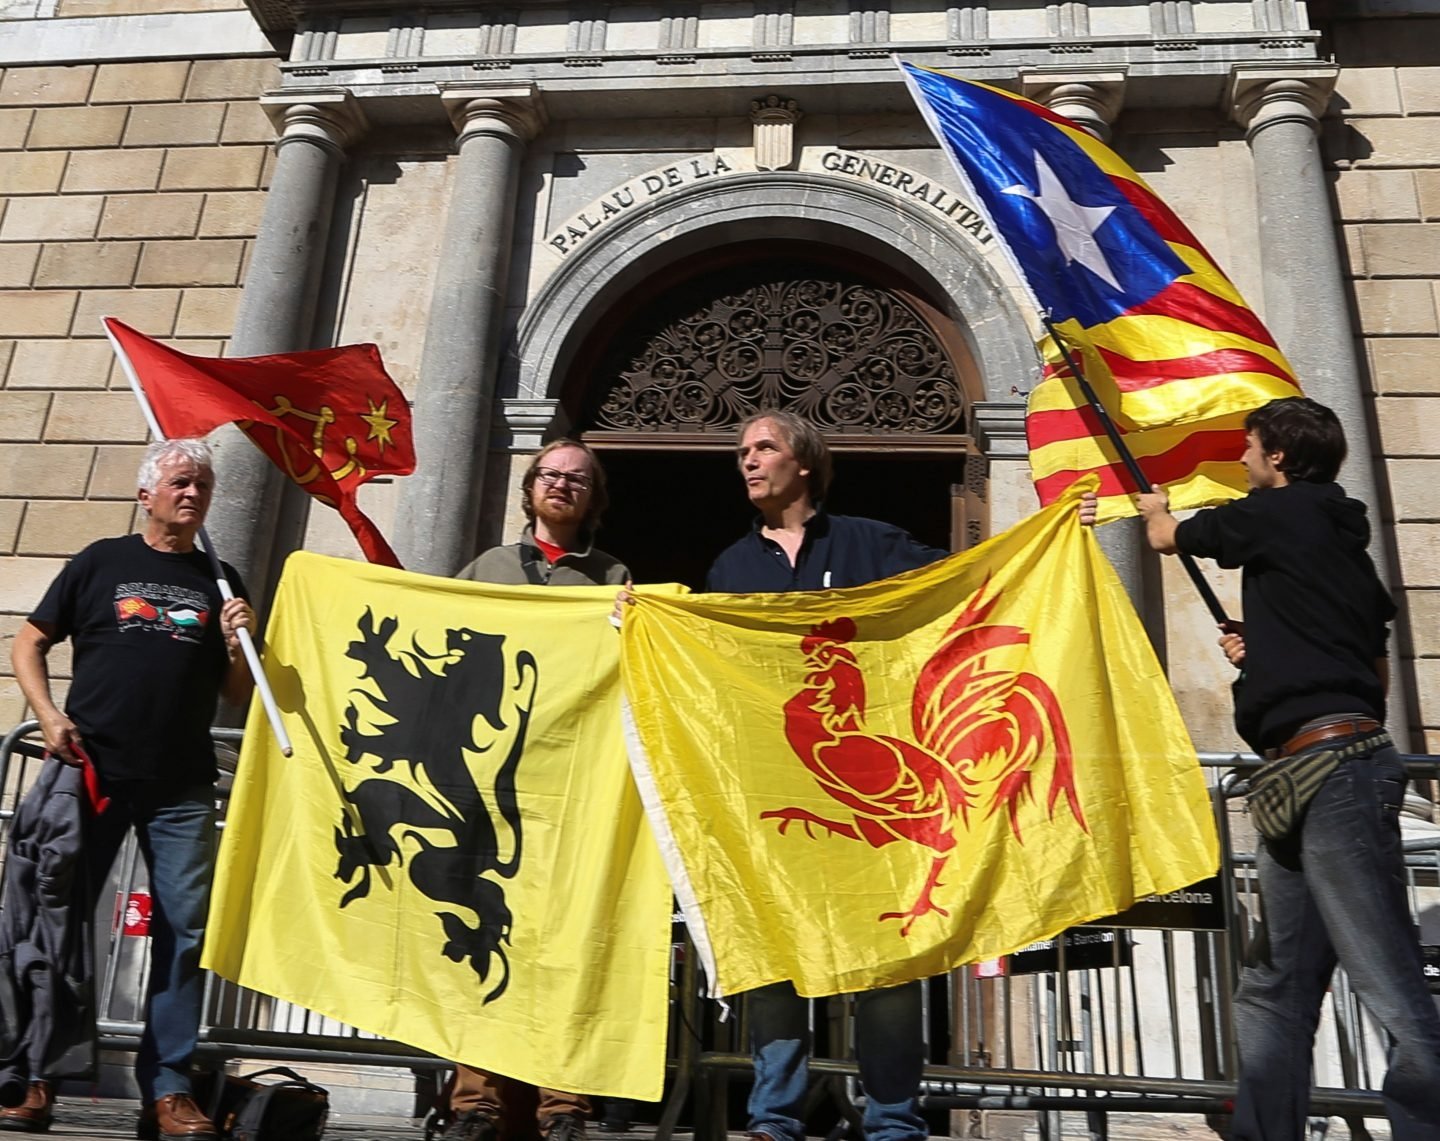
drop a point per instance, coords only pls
(818, 208)
(829, 335)
(935, 484)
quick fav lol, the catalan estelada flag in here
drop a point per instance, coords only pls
(455, 856)
(1168, 344)
(330, 419)
(853, 788)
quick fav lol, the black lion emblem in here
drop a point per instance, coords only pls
(430, 711)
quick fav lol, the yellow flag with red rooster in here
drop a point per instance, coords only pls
(853, 788)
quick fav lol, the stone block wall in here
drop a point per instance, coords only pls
(1383, 150)
(135, 188)
(126, 189)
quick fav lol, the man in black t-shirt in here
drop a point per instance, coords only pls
(155, 646)
(1312, 691)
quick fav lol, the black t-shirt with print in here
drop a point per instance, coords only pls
(149, 657)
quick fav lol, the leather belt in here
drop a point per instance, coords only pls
(1309, 738)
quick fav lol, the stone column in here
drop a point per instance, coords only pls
(1092, 100)
(999, 428)
(1306, 300)
(529, 422)
(435, 531)
(1306, 297)
(277, 313)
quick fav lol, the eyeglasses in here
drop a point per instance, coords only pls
(550, 477)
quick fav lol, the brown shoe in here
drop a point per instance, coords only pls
(564, 1127)
(180, 1119)
(33, 1115)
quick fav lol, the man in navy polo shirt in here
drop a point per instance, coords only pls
(795, 544)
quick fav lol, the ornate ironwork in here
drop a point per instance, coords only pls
(977, 473)
(840, 351)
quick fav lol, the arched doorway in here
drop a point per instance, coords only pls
(836, 338)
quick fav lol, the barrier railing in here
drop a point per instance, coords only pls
(1111, 1018)
(238, 1022)
(1114, 1018)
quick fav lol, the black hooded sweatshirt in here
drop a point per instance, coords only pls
(1315, 610)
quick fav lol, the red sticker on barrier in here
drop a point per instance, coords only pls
(135, 913)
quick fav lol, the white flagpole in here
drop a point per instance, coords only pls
(247, 643)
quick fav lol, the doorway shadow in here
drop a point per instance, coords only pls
(672, 513)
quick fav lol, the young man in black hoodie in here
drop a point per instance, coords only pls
(1311, 694)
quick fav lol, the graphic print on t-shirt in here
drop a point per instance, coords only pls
(162, 608)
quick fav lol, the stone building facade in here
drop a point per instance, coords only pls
(537, 209)
(500, 197)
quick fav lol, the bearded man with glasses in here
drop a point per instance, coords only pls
(563, 495)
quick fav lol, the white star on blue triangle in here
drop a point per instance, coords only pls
(1075, 225)
(1086, 251)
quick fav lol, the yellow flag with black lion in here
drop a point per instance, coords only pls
(455, 856)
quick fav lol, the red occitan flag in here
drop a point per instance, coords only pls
(330, 419)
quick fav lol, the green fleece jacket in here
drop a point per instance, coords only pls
(522, 563)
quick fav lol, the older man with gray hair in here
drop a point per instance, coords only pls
(155, 646)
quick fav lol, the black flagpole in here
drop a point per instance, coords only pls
(1207, 594)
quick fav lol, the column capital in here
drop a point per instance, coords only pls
(524, 423)
(1259, 97)
(514, 109)
(328, 117)
(1091, 98)
(999, 428)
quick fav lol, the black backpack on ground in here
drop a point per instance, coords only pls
(245, 1109)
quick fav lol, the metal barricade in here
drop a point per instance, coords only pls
(1115, 1020)
(1142, 1027)
(237, 1022)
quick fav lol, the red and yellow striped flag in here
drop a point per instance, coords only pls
(1166, 341)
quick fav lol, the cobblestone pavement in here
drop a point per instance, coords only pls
(114, 1120)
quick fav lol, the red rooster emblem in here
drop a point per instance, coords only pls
(984, 736)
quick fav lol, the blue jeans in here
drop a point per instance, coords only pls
(176, 832)
(1336, 889)
(889, 1045)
